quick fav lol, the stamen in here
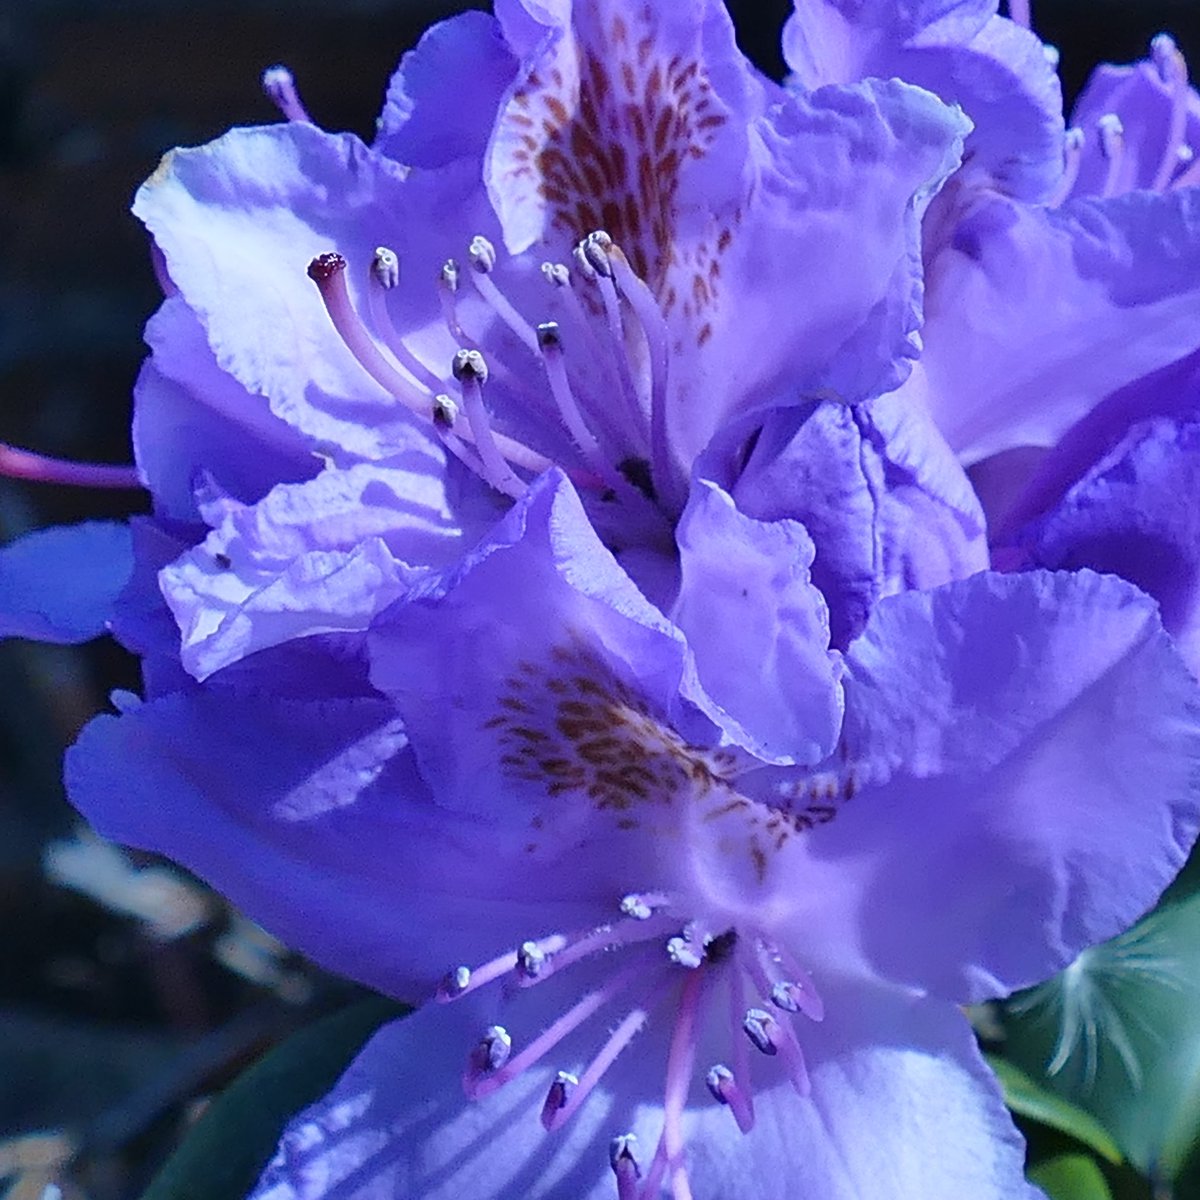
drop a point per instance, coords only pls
(772, 1037)
(470, 369)
(385, 276)
(448, 298)
(685, 953)
(492, 1052)
(557, 1097)
(681, 1062)
(581, 1011)
(328, 272)
(763, 1030)
(1019, 14)
(40, 468)
(490, 971)
(1172, 70)
(741, 1047)
(800, 983)
(620, 1037)
(483, 262)
(454, 983)
(1112, 143)
(1073, 141)
(654, 328)
(549, 341)
(641, 906)
(625, 1166)
(592, 256)
(725, 1090)
(1052, 55)
(530, 961)
(794, 996)
(605, 937)
(280, 86)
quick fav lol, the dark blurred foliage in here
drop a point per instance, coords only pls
(111, 1027)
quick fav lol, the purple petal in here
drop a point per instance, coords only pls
(960, 51)
(1135, 514)
(191, 419)
(758, 627)
(1006, 367)
(442, 101)
(1024, 750)
(396, 1124)
(538, 683)
(318, 557)
(61, 584)
(843, 178)
(887, 506)
(1143, 101)
(310, 817)
(240, 219)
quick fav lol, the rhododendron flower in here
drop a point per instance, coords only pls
(560, 608)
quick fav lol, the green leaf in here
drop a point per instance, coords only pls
(221, 1158)
(1071, 1177)
(1029, 1099)
(1118, 1034)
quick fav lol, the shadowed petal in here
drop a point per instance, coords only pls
(441, 102)
(192, 421)
(61, 584)
(758, 626)
(900, 1105)
(330, 841)
(1135, 514)
(1008, 366)
(959, 50)
(1026, 749)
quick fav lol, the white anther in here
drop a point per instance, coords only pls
(635, 906)
(531, 959)
(761, 1029)
(1052, 55)
(493, 1049)
(622, 1157)
(482, 254)
(556, 274)
(280, 86)
(595, 251)
(1112, 134)
(718, 1081)
(469, 364)
(445, 413)
(385, 267)
(558, 1095)
(1165, 54)
(1073, 139)
(549, 336)
(449, 276)
(1185, 154)
(685, 953)
(455, 982)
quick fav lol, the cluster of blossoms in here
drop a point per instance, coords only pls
(620, 575)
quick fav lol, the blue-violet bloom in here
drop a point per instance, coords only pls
(563, 604)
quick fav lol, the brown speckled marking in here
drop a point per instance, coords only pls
(602, 144)
(575, 729)
(581, 730)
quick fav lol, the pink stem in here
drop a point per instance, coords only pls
(39, 468)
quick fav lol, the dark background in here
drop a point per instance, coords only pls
(107, 1031)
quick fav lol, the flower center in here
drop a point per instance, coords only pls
(667, 971)
(584, 387)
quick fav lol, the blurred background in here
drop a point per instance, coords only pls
(129, 994)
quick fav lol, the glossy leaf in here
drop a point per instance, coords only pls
(1071, 1177)
(1118, 1034)
(1032, 1100)
(223, 1155)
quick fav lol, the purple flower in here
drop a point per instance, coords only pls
(1061, 350)
(560, 607)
